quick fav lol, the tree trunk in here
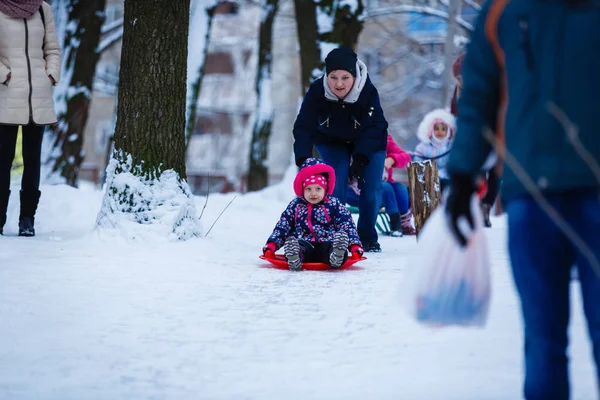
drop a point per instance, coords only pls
(80, 56)
(258, 174)
(347, 24)
(146, 175)
(151, 111)
(308, 39)
(195, 86)
(322, 26)
(449, 47)
(424, 189)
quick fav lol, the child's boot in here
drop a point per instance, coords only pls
(291, 250)
(339, 249)
(407, 225)
(395, 226)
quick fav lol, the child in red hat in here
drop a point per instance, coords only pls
(315, 226)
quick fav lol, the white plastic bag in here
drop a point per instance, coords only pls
(446, 284)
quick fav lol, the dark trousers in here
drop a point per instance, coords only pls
(31, 150)
(338, 157)
(542, 257)
(316, 252)
(444, 183)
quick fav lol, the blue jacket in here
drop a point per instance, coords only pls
(360, 125)
(314, 222)
(547, 58)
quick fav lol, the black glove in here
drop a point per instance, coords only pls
(357, 168)
(458, 204)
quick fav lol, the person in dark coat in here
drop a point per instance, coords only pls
(531, 76)
(341, 116)
(489, 174)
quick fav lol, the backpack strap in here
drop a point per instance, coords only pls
(491, 28)
(43, 23)
(491, 32)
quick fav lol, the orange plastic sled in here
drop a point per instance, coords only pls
(279, 261)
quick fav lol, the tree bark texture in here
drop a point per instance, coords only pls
(152, 86)
(424, 189)
(80, 50)
(258, 173)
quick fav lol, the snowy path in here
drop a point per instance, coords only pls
(82, 318)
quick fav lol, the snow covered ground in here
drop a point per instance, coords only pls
(88, 318)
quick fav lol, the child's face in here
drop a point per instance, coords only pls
(314, 193)
(440, 130)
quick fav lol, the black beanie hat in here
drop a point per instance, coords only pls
(341, 58)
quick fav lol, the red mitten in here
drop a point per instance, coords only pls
(356, 251)
(269, 249)
(482, 189)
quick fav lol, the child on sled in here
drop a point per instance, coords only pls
(315, 227)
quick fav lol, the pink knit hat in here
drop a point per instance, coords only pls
(315, 180)
(310, 167)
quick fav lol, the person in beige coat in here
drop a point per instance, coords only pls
(29, 67)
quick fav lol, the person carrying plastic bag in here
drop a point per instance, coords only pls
(449, 284)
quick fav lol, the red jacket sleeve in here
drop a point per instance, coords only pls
(401, 157)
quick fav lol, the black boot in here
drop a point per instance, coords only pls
(372, 247)
(29, 203)
(4, 195)
(395, 225)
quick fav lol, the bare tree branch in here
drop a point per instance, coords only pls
(573, 135)
(416, 9)
(108, 28)
(114, 37)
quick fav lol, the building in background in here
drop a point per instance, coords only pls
(403, 52)
(100, 127)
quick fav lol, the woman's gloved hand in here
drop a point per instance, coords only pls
(458, 205)
(357, 168)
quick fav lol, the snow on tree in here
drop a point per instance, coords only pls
(258, 174)
(146, 191)
(74, 92)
